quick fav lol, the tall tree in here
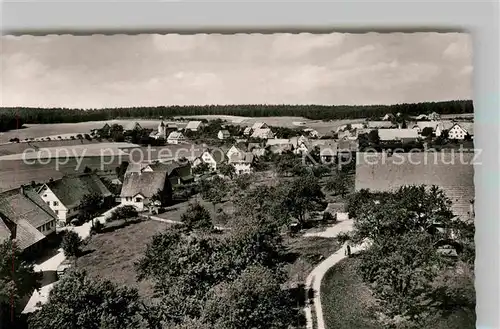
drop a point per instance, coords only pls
(303, 195)
(78, 301)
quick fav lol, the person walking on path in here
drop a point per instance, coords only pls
(347, 250)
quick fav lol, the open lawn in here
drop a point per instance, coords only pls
(347, 301)
(112, 255)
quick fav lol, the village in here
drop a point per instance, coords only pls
(226, 158)
(243, 180)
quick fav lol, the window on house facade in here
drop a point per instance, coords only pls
(138, 199)
(55, 203)
(48, 202)
(57, 212)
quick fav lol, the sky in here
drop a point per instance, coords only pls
(151, 69)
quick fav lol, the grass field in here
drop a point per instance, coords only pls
(55, 129)
(347, 302)
(113, 254)
(14, 173)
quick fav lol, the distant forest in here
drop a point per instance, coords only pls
(13, 117)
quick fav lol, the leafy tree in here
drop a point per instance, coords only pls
(373, 137)
(201, 169)
(214, 190)
(17, 280)
(427, 131)
(243, 181)
(338, 184)
(303, 195)
(78, 301)
(71, 243)
(197, 217)
(287, 163)
(162, 197)
(254, 300)
(90, 206)
(227, 170)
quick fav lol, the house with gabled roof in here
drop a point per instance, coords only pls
(194, 125)
(279, 145)
(131, 126)
(223, 134)
(64, 195)
(25, 218)
(242, 162)
(176, 137)
(262, 133)
(461, 130)
(259, 125)
(211, 157)
(139, 188)
(178, 171)
(247, 131)
(453, 172)
(234, 150)
(388, 117)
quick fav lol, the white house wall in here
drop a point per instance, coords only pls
(56, 205)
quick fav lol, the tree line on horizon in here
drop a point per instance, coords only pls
(14, 117)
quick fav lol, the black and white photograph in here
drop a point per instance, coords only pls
(233, 181)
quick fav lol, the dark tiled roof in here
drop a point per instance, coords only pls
(145, 183)
(5, 230)
(27, 235)
(455, 178)
(16, 206)
(71, 189)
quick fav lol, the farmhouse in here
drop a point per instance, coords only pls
(259, 125)
(311, 133)
(132, 126)
(63, 196)
(422, 117)
(176, 137)
(434, 116)
(461, 130)
(179, 172)
(262, 133)
(388, 117)
(278, 145)
(194, 125)
(25, 218)
(402, 135)
(242, 162)
(328, 152)
(233, 150)
(213, 159)
(452, 172)
(421, 125)
(247, 131)
(139, 188)
(351, 126)
(223, 134)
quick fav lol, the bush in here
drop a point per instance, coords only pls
(98, 226)
(343, 237)
(71, 244)
(124, 212)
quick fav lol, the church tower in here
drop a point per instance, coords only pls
(162, 129)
